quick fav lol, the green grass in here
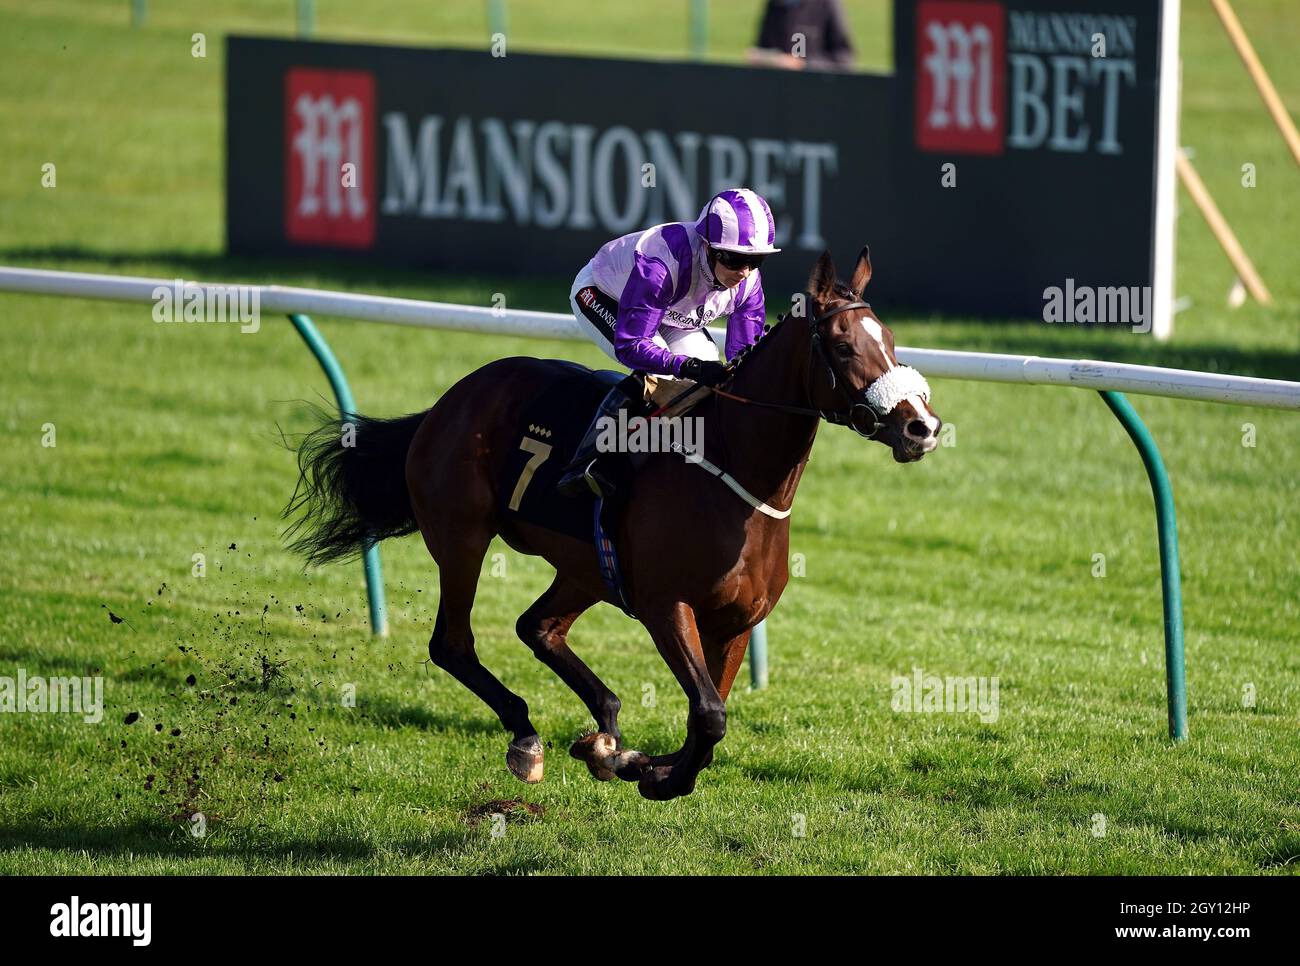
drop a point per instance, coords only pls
(975, 562)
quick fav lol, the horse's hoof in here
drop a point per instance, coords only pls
(656, 785)
(592, 750)
(605, 761)
(630, 765)
(596, 747)
(524, 759)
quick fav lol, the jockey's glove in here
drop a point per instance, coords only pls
(704, 371)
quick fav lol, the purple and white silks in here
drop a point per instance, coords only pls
(661, 278)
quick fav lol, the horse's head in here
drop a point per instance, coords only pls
(855, 372)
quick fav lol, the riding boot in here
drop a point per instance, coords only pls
(591, 469)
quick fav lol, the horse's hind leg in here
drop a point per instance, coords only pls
(452, 649)
(544, 627)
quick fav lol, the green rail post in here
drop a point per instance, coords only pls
(306, 17)
(758, 656)
(699, 28)
(139, 12)
(1170, 582)
(347, 409)
(497, 17)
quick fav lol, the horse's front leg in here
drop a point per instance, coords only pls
(723, 656)
(675, 634)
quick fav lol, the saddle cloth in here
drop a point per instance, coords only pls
(548, 434)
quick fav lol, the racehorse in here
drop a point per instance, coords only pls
(440, 471)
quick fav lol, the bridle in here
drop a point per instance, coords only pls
(858, 403)
(874, 402)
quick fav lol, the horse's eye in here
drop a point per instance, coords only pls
(844, 350)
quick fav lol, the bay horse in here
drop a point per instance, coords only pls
(439, 471)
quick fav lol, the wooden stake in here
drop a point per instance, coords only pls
(1256, 70)
(1227, 240)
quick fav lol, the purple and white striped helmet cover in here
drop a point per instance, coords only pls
(738, 220)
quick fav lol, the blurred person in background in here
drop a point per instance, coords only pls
(803, 34)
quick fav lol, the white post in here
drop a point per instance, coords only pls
(1162, 269)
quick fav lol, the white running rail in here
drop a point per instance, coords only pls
(941, 363)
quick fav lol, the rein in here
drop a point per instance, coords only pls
(835, 417)
(868, 401)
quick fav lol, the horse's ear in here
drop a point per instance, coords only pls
(821, 283)
(862, 273)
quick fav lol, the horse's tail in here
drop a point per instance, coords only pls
(351, 487)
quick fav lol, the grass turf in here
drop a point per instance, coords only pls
(978, 561)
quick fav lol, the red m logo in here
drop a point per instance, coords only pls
(329, 157)
(961, 76)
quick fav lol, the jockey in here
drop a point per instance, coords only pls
(646, 298)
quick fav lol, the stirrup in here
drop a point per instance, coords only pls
(574, 481)
(582, 479)
(601, 485)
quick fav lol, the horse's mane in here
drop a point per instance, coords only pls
(740, 359)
